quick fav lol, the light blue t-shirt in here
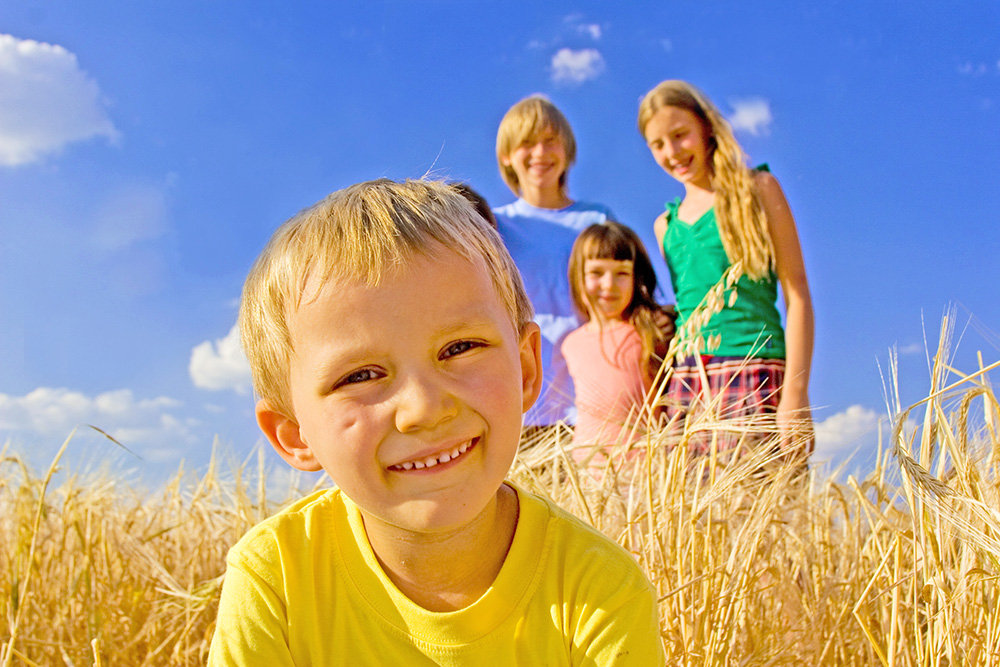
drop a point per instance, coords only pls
(540, 241)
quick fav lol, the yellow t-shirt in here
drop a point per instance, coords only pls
(304, 588)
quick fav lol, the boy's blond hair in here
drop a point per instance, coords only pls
(359, 234)
(738, 211)
(524, 121)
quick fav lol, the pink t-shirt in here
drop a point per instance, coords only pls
(610, 381)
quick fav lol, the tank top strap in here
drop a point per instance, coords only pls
(672, 207)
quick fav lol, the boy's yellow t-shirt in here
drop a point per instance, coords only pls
(305, 588)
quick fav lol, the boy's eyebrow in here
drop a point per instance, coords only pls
(473, 318)
(335, 364)
(359, 353)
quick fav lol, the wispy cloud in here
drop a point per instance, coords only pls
(969, 68)
(751, 115)
(575, 67)
(47, 101)
(911, 349)
(129, 215)
(579, 26)
(148, 426)
(221, 365)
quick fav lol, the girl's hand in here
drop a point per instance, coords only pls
(795, 422)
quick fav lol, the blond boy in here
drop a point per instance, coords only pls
(535, 149)
(392, 346)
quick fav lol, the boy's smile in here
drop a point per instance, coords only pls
(409, 394)
(433, 460)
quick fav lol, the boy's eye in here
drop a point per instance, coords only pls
(358, 376)
(459, 347)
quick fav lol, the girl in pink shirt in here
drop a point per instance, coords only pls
(611, 358)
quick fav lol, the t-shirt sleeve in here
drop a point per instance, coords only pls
(610, 610)
(251, 627)
(622, 632)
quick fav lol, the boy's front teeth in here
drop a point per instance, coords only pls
(432, 461)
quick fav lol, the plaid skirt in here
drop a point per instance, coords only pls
(740, 394)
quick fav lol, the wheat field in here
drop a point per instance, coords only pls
(756, 562)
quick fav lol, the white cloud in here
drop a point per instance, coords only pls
(47, 101)
(843, 433)
(221, 365)
(752, 115)
(666, 45)
(575, 67)
(144, 425)
(911, 348)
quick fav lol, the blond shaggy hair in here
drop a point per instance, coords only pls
(525, 121)
(738, 210)
(359, 234)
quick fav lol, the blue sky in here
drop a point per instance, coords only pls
(148, 150)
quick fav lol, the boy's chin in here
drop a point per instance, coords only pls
(441, 517)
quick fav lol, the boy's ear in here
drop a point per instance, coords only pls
(283, 433)
(505, 160)
(531, 364)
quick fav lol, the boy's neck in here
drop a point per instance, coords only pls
(540, 198)
(447, 571)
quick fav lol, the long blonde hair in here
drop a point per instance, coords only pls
(738, 210)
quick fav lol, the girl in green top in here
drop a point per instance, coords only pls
(731, 213)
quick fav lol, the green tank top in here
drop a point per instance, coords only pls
(697, 261)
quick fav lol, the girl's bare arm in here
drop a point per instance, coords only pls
(799, 325)
(660, 230)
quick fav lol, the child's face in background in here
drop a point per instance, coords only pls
(539, 161)
(679, 142)
(410, 394)
(609, 284)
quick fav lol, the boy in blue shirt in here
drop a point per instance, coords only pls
(535, 149)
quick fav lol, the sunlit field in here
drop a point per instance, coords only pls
(755, 563)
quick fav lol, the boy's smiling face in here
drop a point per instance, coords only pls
(539, 161)
(409, 394)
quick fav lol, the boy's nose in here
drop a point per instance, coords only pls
(423, 402)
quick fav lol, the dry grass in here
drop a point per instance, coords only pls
(899, 568)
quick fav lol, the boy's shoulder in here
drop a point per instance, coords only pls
(289, 528)
(579, 214)
(576, 547)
